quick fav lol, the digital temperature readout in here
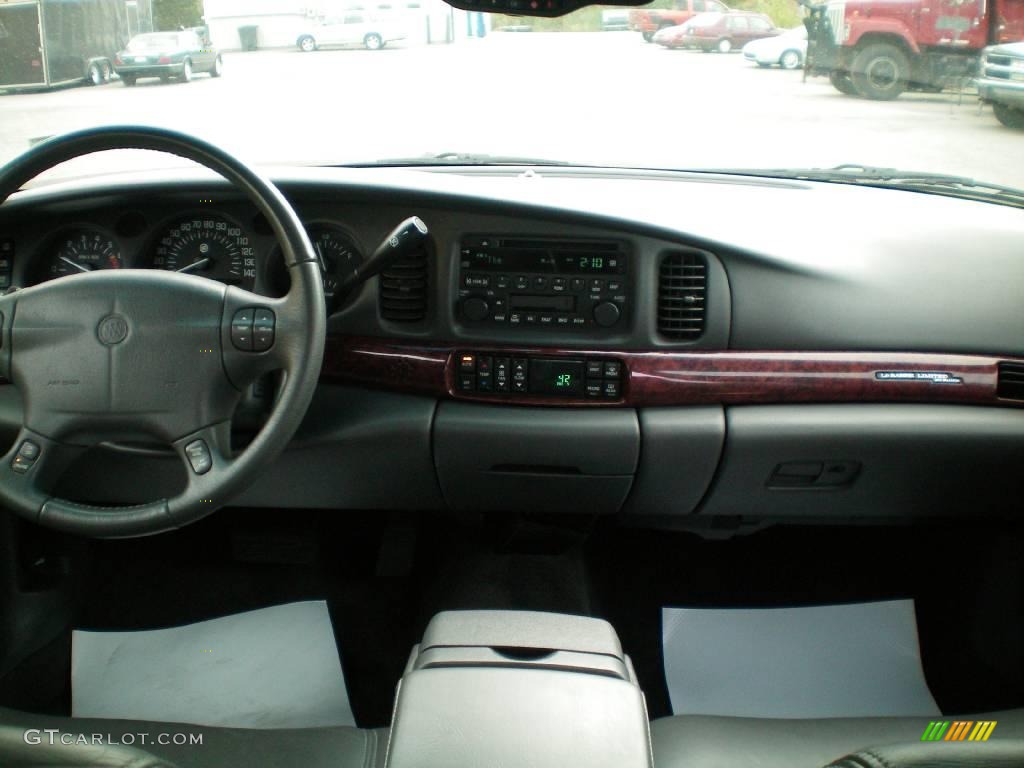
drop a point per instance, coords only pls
(556, 377)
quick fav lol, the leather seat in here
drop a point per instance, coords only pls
(1006, 753)
(704, 741)
(335, 747)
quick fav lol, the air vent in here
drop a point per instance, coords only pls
(1011, 381)
(403, 289)
(682, 295)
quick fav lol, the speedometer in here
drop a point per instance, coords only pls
(208, 246)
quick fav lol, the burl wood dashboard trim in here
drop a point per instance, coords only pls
(663, 378)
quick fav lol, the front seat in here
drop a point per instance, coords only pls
(333, 747)
(707, 741)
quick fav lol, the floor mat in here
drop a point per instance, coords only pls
(855, 660)
(274, 667)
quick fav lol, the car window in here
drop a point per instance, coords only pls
(698, 6)
(706, 20)
(759, 24)
(737, 23)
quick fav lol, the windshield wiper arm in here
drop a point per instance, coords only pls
(456, 158)
(894, 178)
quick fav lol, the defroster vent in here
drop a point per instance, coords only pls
(1011, 381)
(682, 295)
(404, 296)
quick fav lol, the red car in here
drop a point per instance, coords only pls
(647, 21)
(725, 32)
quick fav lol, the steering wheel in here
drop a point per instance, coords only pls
(124, 354)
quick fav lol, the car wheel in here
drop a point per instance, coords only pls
(218, 67)
(790, 60)
(1009, 116)
(186, 71)
(724, 45)
(307, 44)
(128, 80)
(880, 72)
(648, 36)
(373, 42)
(95, 75)
(842, 82)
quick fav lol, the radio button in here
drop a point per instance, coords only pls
(540, 281)
(532, 318)
(578, 285)
(614, 285)
(606, 314)
(578, 320)
(503, 281)
(561, 319)
(516, 318)
(558, 284)
(522, 282)
(596, 286)
(475, 309)
(546, 319)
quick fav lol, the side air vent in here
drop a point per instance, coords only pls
(404, 289)
(1011, 381)
(682, 295)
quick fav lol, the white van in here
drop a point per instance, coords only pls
(355, 28)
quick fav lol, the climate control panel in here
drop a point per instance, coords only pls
(544, 283)
(577, 378)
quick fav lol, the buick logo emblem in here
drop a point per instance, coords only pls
(112, 329)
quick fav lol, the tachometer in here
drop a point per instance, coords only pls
(83, 250)
(209, 246)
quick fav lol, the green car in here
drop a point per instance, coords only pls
(166, 55)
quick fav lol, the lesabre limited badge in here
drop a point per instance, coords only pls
(933, 377)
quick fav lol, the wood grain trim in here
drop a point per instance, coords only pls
(663, 378)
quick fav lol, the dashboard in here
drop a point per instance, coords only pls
(677, 349)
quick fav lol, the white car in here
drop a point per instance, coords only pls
(787, 50)
(352, 30)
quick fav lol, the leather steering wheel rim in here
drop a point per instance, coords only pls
(35, 329)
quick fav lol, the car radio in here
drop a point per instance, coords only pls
(556, 283)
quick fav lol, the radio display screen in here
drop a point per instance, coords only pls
(551, 376)
(510, 260)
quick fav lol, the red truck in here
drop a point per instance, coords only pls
(647, 21)
(880, 48)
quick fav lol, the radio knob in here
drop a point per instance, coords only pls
(475, 309)
(606, 314)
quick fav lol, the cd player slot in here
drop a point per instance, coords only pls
(550, 303)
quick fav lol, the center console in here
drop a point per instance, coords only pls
(490, 688)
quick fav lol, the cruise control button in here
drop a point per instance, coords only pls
(241, 330)
(263, 330)
(198, 456)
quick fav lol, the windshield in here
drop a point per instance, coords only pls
(152, 42)
(334, 83)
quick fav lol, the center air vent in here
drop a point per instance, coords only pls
(1011, 381)
(682, 295)
(403, 289)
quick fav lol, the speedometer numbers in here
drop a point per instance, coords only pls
(83, 250)
(208, 246)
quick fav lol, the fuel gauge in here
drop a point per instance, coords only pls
(337, 256)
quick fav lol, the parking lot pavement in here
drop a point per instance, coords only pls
(597, 98)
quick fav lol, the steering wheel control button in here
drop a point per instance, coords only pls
(26, 456)
(112, 329)
(263, 330)
(241, 330)
(198, 456)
